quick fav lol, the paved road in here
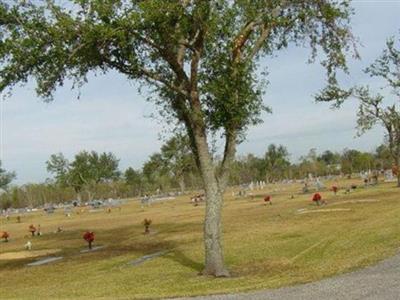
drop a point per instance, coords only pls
(380, 282)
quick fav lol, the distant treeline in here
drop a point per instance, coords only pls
(92, 175)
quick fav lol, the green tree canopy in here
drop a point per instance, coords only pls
(85, 171)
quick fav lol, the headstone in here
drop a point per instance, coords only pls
(44, 261)
(142, 259)
(389, 176)
(93, 249)
(28, 245)
(319, 185)
(251, 186)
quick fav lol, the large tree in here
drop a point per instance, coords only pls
(200, 59)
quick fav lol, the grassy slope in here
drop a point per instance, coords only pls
(265, 246)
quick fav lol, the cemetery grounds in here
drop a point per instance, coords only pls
(266, 246)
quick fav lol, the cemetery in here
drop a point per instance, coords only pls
(292, 241)
(189, 149)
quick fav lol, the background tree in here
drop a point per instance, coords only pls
(375, 108)
(85, 172)
(6, 178)
(383, 158)
(311, 164)
(59, 166)
(354, 161)
(246, 169)
(134, 179)
(276, 162)
(90, 168)
(199, 57)
(155, 173)
(373, 111)
(178, 159)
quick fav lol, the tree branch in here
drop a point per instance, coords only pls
(229, 156)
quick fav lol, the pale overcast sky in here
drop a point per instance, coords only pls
(112, 116)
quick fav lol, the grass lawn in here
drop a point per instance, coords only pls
(265, 246)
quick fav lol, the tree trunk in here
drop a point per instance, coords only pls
(398, 173)
(90, 195)
(214, 261)
(182, 185)
(396, 162)
(78, 196)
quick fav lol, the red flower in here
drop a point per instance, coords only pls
(5, 235)
(335, 189)
(32, 228)
(267, 198)
(88, 236)
(317, 197)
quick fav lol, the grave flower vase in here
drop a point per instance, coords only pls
(89, 238)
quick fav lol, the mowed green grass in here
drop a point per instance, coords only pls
(265, 246)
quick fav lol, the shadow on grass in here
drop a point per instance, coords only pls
(150, 244)
(119, 242)
(180, 258)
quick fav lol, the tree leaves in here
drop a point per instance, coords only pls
(87, 169)
(6, 177)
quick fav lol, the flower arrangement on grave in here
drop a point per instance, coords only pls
(88, 236)
(267, 199)
(28, 245)
(18, 219)
(32, 229)
(5, 235)
(317, 198)
(335, 189)
(147, 223)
